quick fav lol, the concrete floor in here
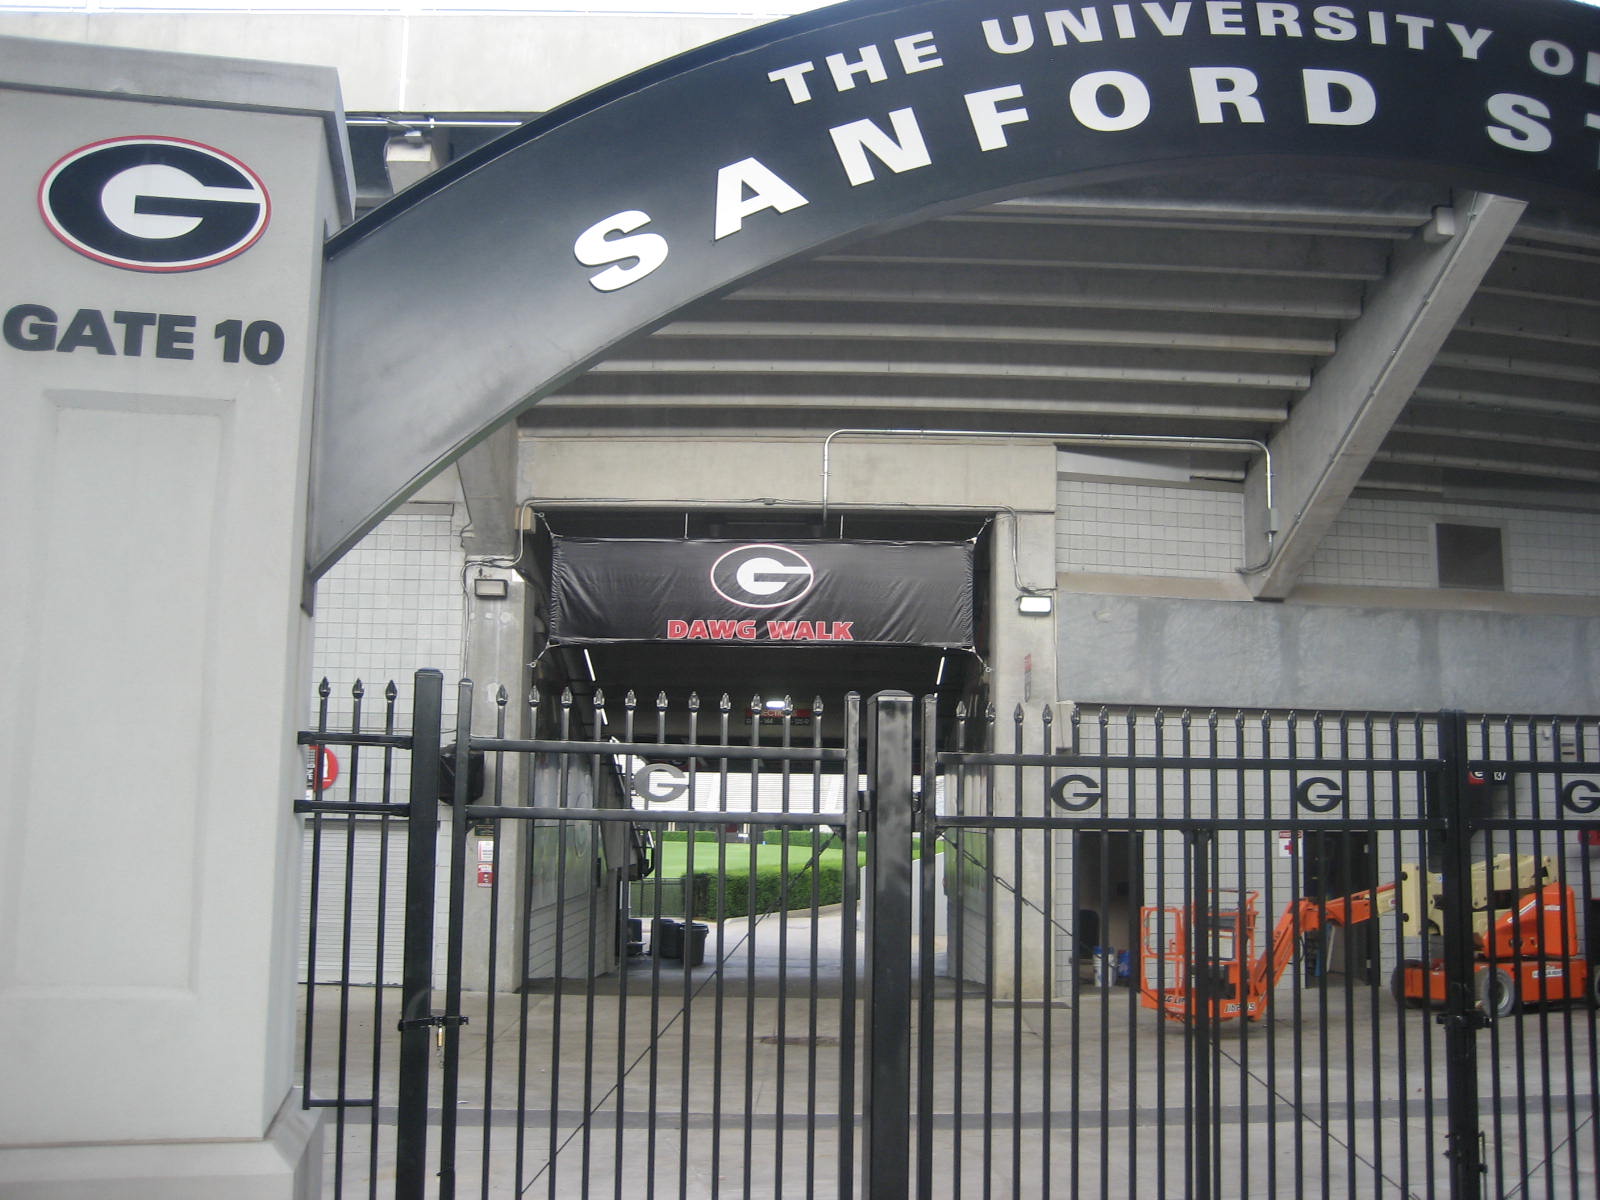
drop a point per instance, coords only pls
(1335, 1095)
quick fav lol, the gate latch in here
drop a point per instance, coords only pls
(1467, 1022)
(1455, 1151)
(439, 1021)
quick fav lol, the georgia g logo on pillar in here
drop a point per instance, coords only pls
(154, 203)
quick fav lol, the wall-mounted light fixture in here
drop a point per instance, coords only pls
(1034, 606)
(487, 587)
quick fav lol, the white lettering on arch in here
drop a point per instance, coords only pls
(989, 120)
(904, 151)
(1084, 99)
(1522, 123)
(1356, 104)
(613, 240)
(747, 187)
(1215, 87)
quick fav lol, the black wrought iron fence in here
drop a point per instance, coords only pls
(1249, 955)
(708, 1051)
(1124, 951)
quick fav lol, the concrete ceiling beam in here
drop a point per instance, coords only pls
(1533, 319)
(865, 368)
(1135, 290)
(1505, 428)
(1544, 467)
(1385, 217)
(1138, 408)
(1138, 330)
(1032, 245)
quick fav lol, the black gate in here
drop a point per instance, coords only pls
(1216, 955)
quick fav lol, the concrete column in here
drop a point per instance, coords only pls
(1022, 660)
(497, 655)
(153, 476)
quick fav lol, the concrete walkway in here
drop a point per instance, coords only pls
(739, 1090)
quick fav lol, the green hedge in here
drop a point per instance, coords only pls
(801, 837)
(646, 899)
(737, 896)
(738, 899)
(806, 837)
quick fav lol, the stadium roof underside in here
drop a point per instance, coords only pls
(1381, 336)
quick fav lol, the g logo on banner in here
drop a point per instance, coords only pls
(762, 575)
(154, 204)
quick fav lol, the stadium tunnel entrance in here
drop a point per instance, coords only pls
(774, 668)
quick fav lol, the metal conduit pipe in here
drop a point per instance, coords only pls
(1150, 441)
(428, 124)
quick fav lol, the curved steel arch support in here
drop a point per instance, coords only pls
(490, 285)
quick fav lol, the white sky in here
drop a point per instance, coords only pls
(767, 8)
(717, 7)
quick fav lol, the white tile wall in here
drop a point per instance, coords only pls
(1143, 529)
(1388, 543)
(390, 607)
(1185, 532)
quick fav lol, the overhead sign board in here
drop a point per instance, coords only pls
(533, 257)
(761, 593)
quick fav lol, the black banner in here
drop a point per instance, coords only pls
(800, 593)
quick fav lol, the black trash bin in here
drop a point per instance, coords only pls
(674, 939)
(693, 937)
(666, 938)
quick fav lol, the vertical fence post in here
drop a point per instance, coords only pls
(886, 1133)
(847, 984)
(927, 899)
(1206, 994)
(451, 1021)
(416, 1004)
(1461, 1018)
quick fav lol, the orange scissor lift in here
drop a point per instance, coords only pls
(1525, 935)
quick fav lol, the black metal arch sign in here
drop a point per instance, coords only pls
(502, 277)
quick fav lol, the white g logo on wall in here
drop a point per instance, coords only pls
(154, 204)
(658, 782)
(762, 576)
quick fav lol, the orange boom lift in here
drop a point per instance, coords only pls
(1525, 935)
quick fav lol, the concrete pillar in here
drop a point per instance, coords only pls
(1022, 659)
(497, 654)
(153, 476)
